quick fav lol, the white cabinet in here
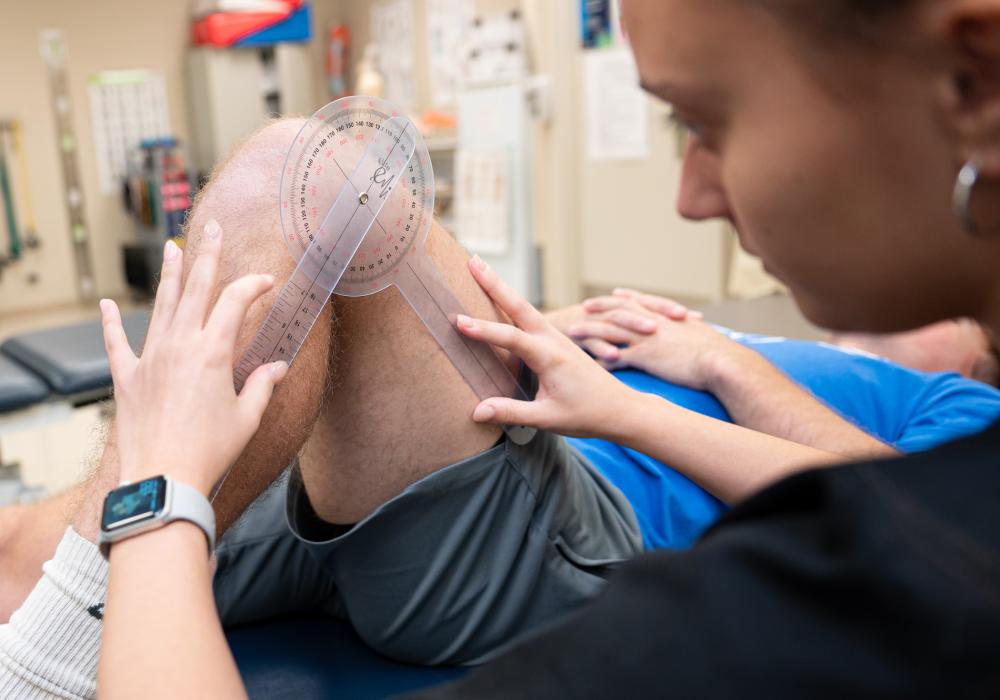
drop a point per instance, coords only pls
(233, 91)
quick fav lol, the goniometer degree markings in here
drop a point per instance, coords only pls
(396, 140)
(327, 258)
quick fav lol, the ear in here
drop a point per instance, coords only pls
(971, 33)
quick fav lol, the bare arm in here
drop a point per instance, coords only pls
(691, 353)
(162, 635)
(729, 461)
(28, 538)
(759, 396)
(577, 397)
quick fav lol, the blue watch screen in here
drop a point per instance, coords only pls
(135, 502)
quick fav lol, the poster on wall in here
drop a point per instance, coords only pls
(392, 27)
(595, 23)
(617, 110)
(496, 51)
(448, 23)
(125, 108)
(482, 199)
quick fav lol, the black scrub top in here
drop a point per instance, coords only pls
(871, 580)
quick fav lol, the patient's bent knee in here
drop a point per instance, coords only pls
(242, 195)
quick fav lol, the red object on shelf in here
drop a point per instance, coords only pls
(221, 29)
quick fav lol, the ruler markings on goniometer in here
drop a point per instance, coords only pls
(290, 319)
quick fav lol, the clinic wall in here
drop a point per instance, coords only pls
(553, 40)
(552, 29)
(100, 35)
(356, 14)
(105, 35)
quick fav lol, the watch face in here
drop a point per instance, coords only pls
(133, 503)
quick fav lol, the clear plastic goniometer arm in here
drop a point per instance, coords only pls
(426, 290)
(321, 266)
(333, 244)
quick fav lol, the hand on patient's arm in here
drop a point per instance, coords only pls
(178, 414)
(691, 353)
(680, 348)
(562, 319)
(578, 397)
(599, 327)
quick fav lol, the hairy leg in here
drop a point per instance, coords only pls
(399, 409)
(28, 536)
(242, 197)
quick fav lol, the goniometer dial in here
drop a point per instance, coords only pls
(322, 157)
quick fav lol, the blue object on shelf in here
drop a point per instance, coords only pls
(159, 142)
(296, 27)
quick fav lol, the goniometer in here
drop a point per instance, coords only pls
(356, 202)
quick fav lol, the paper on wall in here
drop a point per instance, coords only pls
(496, 50)
(126, 107)
(617, 110)
(482, 199)
(448, 23)
(392, 31)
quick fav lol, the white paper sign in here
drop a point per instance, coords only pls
(448, 25)
(496, 50)
(392, 31)
(482, 199)
(126, 107)
(617, 109)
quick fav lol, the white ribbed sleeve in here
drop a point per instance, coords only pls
(50, 647)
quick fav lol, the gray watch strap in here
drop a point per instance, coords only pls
(188, 503)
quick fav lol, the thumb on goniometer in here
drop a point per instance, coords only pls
(258, 389)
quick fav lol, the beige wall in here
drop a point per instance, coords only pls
(105, 35)
(125, 34)
(553, 44)
(326, 13)
(145, 34)
(100, 35)
(553, 38)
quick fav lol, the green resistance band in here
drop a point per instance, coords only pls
(8, 206)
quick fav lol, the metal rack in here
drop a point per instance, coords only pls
(157, 193)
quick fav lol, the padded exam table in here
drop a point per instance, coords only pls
(300, 657)
(19, 387)
(71, 359)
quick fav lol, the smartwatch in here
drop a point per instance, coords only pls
(134, 508)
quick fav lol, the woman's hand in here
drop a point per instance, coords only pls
(604, 323)
(575, 395)
(658, 336)
(177, 409)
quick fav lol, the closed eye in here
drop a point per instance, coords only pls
(678, 120)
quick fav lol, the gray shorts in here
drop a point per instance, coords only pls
(458, 567)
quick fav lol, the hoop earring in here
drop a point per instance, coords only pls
(965, 185)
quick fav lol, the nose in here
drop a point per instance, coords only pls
(701, 194)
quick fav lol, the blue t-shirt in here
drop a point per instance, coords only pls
(910, 410)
